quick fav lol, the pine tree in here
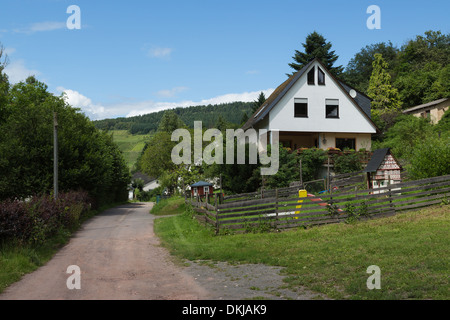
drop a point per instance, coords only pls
(385, 97)
(258, 102)
(316, 46)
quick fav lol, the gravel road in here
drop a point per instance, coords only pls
(120, 258)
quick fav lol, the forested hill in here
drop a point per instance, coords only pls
(233, 113)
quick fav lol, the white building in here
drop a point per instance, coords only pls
(314, 109)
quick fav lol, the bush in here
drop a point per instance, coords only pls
(431, 158)
(347, 163)
(41, 217)
(143, 195)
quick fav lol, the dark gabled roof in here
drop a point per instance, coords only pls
(376, 160)
(201, 184)
(429, 105)
(275, 97)
(142, 176)
(361, 101)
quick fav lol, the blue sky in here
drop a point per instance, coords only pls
(134, 57)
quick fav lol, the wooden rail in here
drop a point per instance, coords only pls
(281, 210)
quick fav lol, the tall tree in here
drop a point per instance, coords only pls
(258, 102)
(4, 84)
(316, 46)
(359, 69)
(422, 70)
(156, 159)
(170, 122)
(385, 97)
(88, 158)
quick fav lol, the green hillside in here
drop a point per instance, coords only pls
(232, 113)
(130, 145)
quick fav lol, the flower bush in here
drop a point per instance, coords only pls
(41, 217)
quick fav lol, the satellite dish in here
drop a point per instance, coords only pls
(353, 93)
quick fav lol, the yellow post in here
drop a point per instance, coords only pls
(301, 194)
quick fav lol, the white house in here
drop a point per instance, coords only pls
(149, 183)
(314, 109)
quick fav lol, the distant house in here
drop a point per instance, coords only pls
(314, 109)
(202, 188)
(433, 110)
(383, 169)
(149, 183)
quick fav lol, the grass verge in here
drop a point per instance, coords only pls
(170, 206)
(411, 249)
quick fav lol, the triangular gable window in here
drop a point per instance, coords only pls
(311, 77)
(321, 77)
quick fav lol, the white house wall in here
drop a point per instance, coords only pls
(151, 185)
(351, 119)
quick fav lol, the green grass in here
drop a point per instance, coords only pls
(171, 206)
(411, 249)
(130, 145)
(17, 260)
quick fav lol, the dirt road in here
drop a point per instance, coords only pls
(119, 257)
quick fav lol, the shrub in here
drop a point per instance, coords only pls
(41, 217)
(347, 163)
(431, 158)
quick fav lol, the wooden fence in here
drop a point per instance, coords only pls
(282, 208)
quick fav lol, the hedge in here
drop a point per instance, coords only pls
(38, 218)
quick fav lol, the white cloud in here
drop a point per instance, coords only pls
(77, 100)
(160, 52)
(42, 27)
(171, 92)
(149, 107)
(17, 71)
(97, 111)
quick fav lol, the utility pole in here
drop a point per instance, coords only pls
(55, 155)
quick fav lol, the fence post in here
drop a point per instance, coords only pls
(276, 208)
(328, 175)
(217, 214)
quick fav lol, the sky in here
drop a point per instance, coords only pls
(135, 57)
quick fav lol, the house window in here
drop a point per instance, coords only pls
(332, 108)
(321, 77)
(345, 143)
(311, 76)
(206, 190)
(301, 108)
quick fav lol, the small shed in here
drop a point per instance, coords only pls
(202, 188)
(383, 169)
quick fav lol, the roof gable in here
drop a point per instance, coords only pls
(361, 101)
(201, 184)
(429, 105)
(377, 159)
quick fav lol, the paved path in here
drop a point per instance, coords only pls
(119, 257)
